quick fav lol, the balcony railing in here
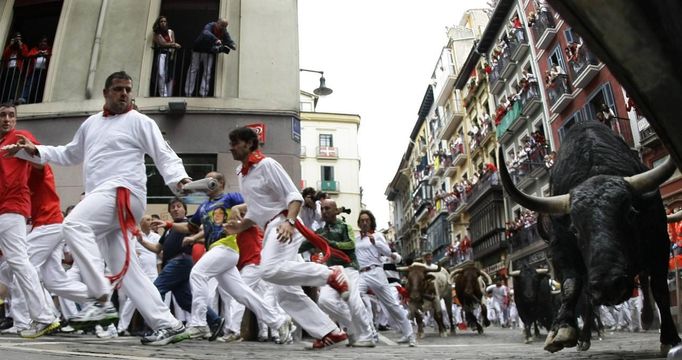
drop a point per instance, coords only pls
(509, 118)
(22, 80)
(174, 75)
(496, 80)
(331, 186)
(559, 93)
(518, 44)
(544, 29)
(524, 237)
(583, 68)
(488, 182)
(530, 98)
(327, 152)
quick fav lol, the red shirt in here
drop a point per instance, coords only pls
(250, 244)
(15, 196)
(45, 208)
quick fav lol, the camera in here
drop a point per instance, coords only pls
(344, 210)
(222, 48)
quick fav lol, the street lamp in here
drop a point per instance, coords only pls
(323, 89)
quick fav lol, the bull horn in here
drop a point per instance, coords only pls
(485, 274)
(559, 204)
(515, 273)
(542, 271)
(403, 268)
(651, 179)
(673, 218)
(431, 269)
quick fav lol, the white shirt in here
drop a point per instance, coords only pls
(312, 218)
(267, 190)
(112, 151)
(369, 254)
(148, 258)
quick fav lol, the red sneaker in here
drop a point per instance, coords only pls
(330, 341)
(338, 281)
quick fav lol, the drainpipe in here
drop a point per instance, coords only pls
(94, 57)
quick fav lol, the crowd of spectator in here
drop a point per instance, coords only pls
(534, 153)
(524, 220)
(24, 69)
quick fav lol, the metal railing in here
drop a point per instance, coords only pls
(174, 76)
(22, 80)
(557, 88)
(545, 20)
(581, 61)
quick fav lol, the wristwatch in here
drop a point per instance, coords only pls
(291, 222)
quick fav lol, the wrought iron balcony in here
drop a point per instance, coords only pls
(559, 93)
(583, 68)
(327, 152)
(544, 29)
(330, 186)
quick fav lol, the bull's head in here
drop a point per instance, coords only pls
(673, 218)
(527, 282)
(599, 215)
(416, 279)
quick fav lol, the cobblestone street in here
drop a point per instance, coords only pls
(496, 343)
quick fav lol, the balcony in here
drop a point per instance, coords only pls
(330, 186)
(506, 64)
(23, 82)
(445, 82)
(647, 134)
(302, 154)
(559, 94)
(496, 80)
(508, 119)
(487, 184)
(531, 100)
(544, 29)
(459, 157)
(524, 237)
(584, 68)
(455, 207)
(452, 120)
(518, 44)
(327, 152)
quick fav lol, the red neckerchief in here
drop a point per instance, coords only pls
(254, 158)
(107, 112)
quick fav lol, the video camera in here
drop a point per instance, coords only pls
(344, 210)
(222, 48)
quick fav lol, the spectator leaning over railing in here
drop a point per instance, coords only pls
(39, 58)
(13, 61)
(165, 46)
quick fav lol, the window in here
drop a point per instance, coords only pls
(556, 58)
(576, 118)
(196, 165)
(326, 140)
(327, 173)
(572, 37)
(186, 19)
(23, 80)
(604, 96)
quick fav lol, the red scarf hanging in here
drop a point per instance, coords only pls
(126, 220)
(254, 158)
(319, 242)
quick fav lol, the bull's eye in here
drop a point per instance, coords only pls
(573, 230)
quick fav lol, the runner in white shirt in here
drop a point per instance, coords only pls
(111, 145)
(272, 201)
(369, 247)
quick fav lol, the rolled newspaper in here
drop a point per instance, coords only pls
(204, 185)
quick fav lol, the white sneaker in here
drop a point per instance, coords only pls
(263, 334)
(39, 329)
(411, 340)
(285, 332)
(231, 337)
(196, 332)
(103, 313)
(67, 329)
(11, 331)
(166, 336)
(109, 333)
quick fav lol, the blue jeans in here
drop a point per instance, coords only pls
(174, 277)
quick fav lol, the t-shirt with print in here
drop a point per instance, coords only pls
(212, 214)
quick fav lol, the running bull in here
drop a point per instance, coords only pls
(534, 299)
(427, 285)
(470, 284)
(606, 224)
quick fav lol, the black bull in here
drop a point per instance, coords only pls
(534, 299)
(470, 286)
(607, 225)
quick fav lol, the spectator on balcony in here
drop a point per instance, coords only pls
(13, 58)
(474, 178)
(311, 211)
(39, 57)
(549, 159)
(164, 47)
(500, 112)
(556, 71)
(548, 78)
(572, 51)
(213, 39)
(532, 18)
(531, 82)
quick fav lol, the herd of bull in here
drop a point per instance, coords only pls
(605, 225)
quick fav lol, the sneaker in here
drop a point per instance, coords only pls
(11, 331)
(195, 332)
(216, 328)
(338, 281)
(39, 329)
(285, 332)
(67, 329)
(109, 333)
(263, 334)
(364, 343)
(411, 340)
(231, 337)
(95, 312)
(166, 336)
(330, 341)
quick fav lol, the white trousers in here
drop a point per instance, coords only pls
(351, 315)
(280, 267)
(45, 251)
(220, 262)
(375, 279)
(205, 61)
(127, 310)
(252, 277)
(94, 222)
(164, 86)
(68, 307)
(14, 246)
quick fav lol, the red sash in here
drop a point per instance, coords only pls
(319, 242)
(127, 222)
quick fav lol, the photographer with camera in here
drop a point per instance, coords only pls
(214, 39)
(13, 59)
(311, 213)
(39, 58)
